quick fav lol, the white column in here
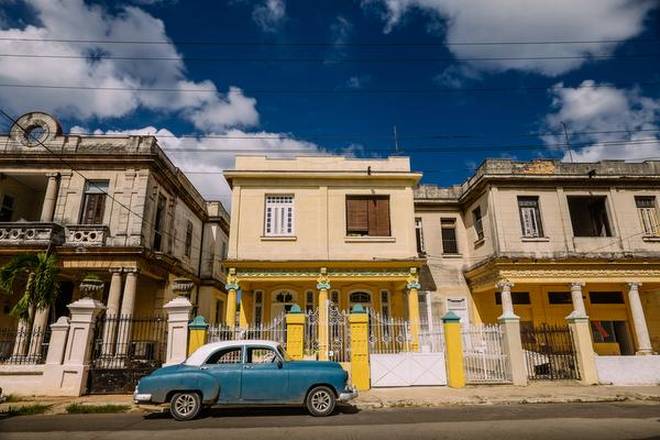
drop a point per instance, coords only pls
(112, 310)
(639, 321)
(126, 313)
(578, 302)
(48, 207)
(429, 311)
(507, 303)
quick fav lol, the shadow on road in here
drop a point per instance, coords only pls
(254, 412)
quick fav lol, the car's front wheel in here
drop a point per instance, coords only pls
(185, 405)
(321, 401)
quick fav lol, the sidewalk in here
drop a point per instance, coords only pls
(547, 392)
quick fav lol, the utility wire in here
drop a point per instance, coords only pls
(323, 91)
(327, 44)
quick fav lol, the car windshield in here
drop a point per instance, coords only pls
(283, 353)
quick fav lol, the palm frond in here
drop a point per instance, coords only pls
(19, 265)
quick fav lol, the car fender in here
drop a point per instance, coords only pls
(162, 387)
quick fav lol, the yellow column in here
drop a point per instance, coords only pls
(413, 308)
(359, 322)
(197, 329)
(245, 314)
(295, 332)
(323, 285)
(454, 350)
(231, 286)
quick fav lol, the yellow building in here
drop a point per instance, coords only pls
(313, 230)
(557, 239)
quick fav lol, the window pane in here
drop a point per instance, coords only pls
(478, 225)
(226, 356)
(449, 245)
(589, 216)
(261, 356)
(560, 298)
(279, 215)
(606, 298)
(519, 298)
(419, 235)
(530, 216)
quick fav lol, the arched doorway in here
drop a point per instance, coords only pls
(360, 297)
(282, 300)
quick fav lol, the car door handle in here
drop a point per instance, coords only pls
(203, 368)
(247, 367)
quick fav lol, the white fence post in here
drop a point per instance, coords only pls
(513, 348)
(178, 314)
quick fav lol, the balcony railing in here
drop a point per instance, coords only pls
(86, 235)
(30, 233)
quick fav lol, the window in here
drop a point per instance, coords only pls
(189, 236)
(223, 250)
(94, 202)
(226, 356)
(589, 216)
(478, 224)
(648, 216)
(360, 298)
(560, 298)
(368, 215)
(385, 303)
(606, 298)
(261, 355)
(219, 311)
(258, 307)
(419, 235)
(334, 296)
(309, 301)
(159, 223)
(530, 216)
(7, 208)
(520, 298)
(448, 232)
(279, 215)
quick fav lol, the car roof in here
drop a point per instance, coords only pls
(202, 353)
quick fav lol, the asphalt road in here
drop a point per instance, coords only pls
(561, 421)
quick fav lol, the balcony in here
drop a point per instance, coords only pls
(86, 235)
(30, 234)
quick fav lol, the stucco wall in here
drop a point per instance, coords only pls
(628, 370)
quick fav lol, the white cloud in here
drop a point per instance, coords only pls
(204, 156)
(270, 15)
(74, 19)
(456, 76)
(524, 20)
(358, 81)
(605, 114)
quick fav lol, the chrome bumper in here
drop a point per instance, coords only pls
(141, 398)
(349, 393)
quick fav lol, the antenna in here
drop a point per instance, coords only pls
(568, 142)
(396, 140)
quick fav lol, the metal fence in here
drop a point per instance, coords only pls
(274, 330)
(311, 333)
(388, 335)
(484, 357)
(24, 346)
(339, 334)
(431, 337)
(549, 352)
(125, 349)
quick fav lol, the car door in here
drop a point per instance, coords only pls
(265, 376)
(226, 365)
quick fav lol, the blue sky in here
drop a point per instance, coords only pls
(275, 75)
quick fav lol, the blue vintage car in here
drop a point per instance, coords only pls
(249, 372)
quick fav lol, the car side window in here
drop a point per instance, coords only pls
(261, 355)
(225, 356)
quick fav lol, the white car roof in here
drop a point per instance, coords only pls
(202, 353)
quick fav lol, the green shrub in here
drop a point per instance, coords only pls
(79, 408)
(26, 410)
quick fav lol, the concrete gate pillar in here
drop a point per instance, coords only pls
(178, 314)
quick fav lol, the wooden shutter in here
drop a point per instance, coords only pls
(379, 216)
(357, 217)
(93, 213)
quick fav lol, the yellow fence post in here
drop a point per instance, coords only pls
(413, 287)
(197, 329)
(359, 322)
(454, 350)
(295, 332)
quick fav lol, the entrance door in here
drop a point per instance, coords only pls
(264, 379)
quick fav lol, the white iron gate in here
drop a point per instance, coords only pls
(484, 356)
(274, 330)
(339, 335)
(393, 363)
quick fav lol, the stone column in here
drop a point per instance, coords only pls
(639, 321)
(77, 354)
(245, 313)
(578, 302)
(323, 285)
(111, 313)
(507, 303)
(50, 199)
(126, 312)
(178, 314)
(231, 286)
(413, 287)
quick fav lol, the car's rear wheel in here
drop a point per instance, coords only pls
(185, 405)
(320, 401)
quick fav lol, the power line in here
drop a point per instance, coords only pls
(326, 91)
(327, 44)
(327, 60)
